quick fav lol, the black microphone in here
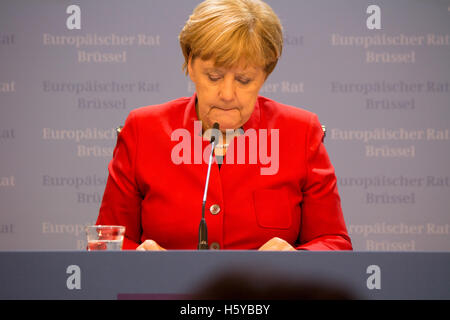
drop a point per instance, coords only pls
(202, 229)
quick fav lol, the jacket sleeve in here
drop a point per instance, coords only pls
(322, 223)
(121, 203)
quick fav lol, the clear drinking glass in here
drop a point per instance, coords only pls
(102, 237)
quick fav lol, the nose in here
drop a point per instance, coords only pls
(226, 89)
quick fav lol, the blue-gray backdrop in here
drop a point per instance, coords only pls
(378, 78)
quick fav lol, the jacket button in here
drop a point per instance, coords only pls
(214, 246)
(214, 209)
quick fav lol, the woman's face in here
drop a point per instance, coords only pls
(226, 96)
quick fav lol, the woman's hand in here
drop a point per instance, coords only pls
(150, 245)
(276, 244)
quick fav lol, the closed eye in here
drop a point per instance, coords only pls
(244, 80)
(214, 79)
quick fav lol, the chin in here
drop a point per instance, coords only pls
(224, 125)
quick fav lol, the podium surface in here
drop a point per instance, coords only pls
(183, 274)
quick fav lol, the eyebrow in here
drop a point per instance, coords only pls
(245, 74)
(208, 69)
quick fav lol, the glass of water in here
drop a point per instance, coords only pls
(103, 237)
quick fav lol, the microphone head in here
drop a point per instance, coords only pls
(214, 131)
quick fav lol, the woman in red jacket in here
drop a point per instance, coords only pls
(271, 185)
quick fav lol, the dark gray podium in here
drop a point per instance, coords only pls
(183, 274)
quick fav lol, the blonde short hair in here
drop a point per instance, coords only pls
(232, 31)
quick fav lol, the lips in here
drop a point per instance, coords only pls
(225, 108)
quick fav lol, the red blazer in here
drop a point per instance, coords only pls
(155, 198)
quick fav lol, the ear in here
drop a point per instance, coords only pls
(190, 67)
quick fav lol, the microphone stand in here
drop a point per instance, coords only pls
(202, 229)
